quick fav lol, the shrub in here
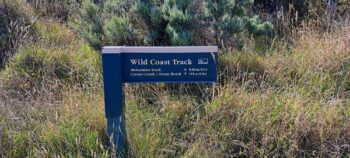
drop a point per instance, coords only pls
(106, 23)
(168, 23)
(172, 22)
(118, 30)
(231, 22)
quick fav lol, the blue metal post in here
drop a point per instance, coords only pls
(114, 101)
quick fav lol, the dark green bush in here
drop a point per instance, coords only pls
(105, 23)
(170, 22)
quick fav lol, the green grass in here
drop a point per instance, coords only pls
(69, 129)
(285, 103)
(50, 106)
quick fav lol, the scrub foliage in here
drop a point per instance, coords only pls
(170, 22)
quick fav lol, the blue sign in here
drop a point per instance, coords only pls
(169, 67)
(150, 65)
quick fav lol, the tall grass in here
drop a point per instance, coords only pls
(50, 98)
(292, 101)
(16, 20)
(72, 128)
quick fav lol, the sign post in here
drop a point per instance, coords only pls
(121, 65)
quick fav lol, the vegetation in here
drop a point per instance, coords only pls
(15, 27)
(277, 96)
(174, 22)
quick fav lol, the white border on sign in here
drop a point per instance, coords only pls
(184, 49)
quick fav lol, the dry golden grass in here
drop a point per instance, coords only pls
(292, 101)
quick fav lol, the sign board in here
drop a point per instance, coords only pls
(150, 65)
(166, 64)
